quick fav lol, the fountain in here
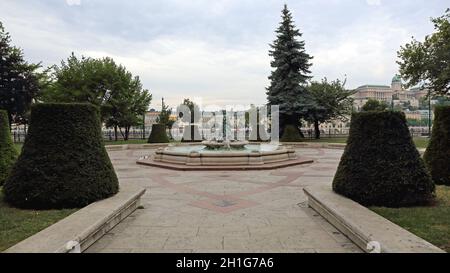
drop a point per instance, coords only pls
(224, 155)
(224, 145)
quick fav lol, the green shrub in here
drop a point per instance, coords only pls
(291, 134)
(437, 155)
(8, 153)
(63, 163)
(380, 165)
(158, 134)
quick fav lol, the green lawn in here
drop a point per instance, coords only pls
(328, 140)
(430, 223)
(420, 142)
(16, 224)
(121, 142)
(18, 146)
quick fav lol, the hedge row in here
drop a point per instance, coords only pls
(437, 155)
(381, 165)
(8, 154)
(291, 134)
(158, 134)
(63, 163)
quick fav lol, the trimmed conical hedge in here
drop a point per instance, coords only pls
(381, 165)
(8, 153)
(63, 163)
(437, 155)
(291, 134)
(158, 134)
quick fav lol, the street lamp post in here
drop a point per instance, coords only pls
(429, 113)
(143, 125)
(392, 102)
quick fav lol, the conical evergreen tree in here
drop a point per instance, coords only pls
(8, 153)
(291, 72)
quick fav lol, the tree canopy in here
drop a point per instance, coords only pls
(374, 105)
(19, 80)
(428, 62)
(101, 82)
(330, 101)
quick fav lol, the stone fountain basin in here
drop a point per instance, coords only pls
(218, 145)
(197, 155)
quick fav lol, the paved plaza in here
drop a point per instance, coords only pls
(225, 211)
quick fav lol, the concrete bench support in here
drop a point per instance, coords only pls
(370, 231)
(80, 230)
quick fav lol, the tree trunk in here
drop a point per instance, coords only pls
(115, 133)
(316, 129)
(10, 121)
(121, 133)
(127, 133)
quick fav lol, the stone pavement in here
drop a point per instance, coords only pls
(225, 211)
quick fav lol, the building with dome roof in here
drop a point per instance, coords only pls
(395, 94)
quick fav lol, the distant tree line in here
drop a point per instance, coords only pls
(118, 94)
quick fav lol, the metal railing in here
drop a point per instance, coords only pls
(109, 134)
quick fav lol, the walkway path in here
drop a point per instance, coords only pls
(225, 211)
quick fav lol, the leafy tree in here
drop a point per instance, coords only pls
(83, 80)
(101, 82)
(374, 105)
(164, 115)
(428, 62)
(127, 105)
(19, 80)
(291, 72)
(331, 101)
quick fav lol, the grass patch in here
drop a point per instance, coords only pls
(122, 142)
(430, 223)
(421, 142)
(17, 225)
(328, 140)
(18, 147)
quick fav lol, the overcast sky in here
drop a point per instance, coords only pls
(217, 50)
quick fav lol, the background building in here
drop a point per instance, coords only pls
(394, 94)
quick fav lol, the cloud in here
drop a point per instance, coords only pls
(373, 2)
(218, 50)
(73, 2)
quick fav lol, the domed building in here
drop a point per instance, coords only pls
(395, 94)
